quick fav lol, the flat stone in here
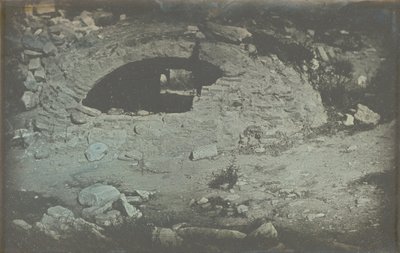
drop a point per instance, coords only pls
(91, 212)
(201, 233)
(349, 120)
(366, 116)
(34, 64)
(166, 237)
(40, 74)
(111, 218)
(49, 48)
(127, 209)
(88, 110)
(78, 118)
(59, 211)
(21, 224)
(134, 199)
(32, 53)
(30, 100)
(98, 195)
(206, 151)
(265, 231)
(96, 151)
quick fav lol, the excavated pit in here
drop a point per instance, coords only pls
(137, 86)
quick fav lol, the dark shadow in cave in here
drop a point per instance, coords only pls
(136, 85)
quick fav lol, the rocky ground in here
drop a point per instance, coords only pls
(229, 129)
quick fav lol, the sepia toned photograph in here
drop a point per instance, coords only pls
(200, 126)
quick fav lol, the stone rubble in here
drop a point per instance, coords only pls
(127, 209)
(59, 222)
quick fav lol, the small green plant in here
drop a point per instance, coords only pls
(228, 177)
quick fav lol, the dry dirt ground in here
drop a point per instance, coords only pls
(275, 119)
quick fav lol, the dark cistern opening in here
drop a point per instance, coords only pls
(137, 86)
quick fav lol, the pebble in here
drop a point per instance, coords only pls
(96, 151)
(98, 195)
(202, 201)
(78, 118)
(242, 209)
(122, 17)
